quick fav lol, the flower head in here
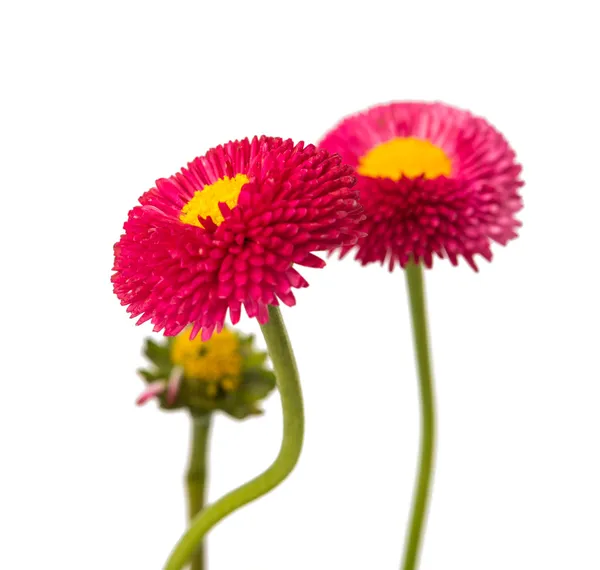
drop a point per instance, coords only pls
(433, 180)
(225, 372)
(227, 232)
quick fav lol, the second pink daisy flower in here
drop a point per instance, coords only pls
(433, 180)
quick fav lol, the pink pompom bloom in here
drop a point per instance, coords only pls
(433, 180)
(227, 231)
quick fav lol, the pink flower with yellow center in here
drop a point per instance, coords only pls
(228, 232)
(433, 180)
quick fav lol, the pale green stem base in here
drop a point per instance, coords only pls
(284, 364)
(196, 479)
(414, 537)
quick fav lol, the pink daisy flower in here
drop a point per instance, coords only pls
(228, 232)
(433, 180)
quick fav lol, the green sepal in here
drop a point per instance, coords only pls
(258, 384)
(148, 375)
(242, 411)
(255, 360)
(159, 355)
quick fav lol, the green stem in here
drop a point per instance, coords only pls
(416, 294)
(196, 478)
(288, 384)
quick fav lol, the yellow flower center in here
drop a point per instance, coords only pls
(216, 362)
(408, 157)
(205, 202)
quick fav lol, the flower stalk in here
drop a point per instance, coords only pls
(284, 364)
(196, 478)
(416, 529)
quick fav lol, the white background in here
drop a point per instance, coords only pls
(99, 99)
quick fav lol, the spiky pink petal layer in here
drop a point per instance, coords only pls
(418, 218)
(174, 384)
(298, 200)
(152, 391)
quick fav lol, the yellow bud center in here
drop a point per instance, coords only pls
(205, 202)
(216, 362)
(408, 157)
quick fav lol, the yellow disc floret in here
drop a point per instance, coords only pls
(205, 202)
(408, 156)
(216, 362)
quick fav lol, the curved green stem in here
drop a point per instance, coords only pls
(288, 384)
(196, 478)
(416, 294)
